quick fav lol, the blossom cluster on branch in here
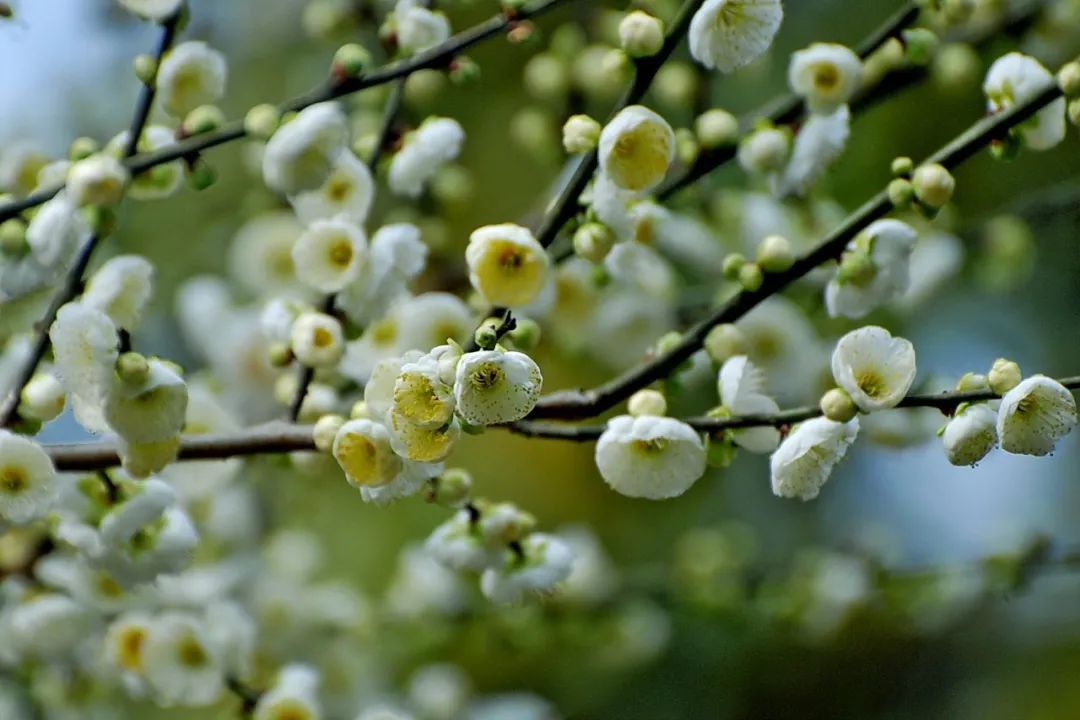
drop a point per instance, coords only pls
(148, 576)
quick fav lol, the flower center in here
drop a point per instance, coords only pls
(384, 332)
(341, 253)
(191, 653)
(13, 480)
(338, 188)
(511, 259)
(651, 447)
(1026, 405)
(871, 383)
(826, 77)
(130, 650)
(322, 338)
(486, 376)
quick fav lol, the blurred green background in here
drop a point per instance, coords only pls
(1008, 652)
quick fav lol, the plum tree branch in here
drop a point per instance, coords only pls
(571, 404)
(946, 402)
(333, 89)
(73, 281)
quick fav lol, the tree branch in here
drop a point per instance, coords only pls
(564, 206)
(434, 57)
(73, 282)
(946, 402)
(587, 403)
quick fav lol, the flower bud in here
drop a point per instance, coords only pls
(262, 121)
(838, 406)
(593, 241)
(463, 70)
(451, 489)
(972, 382)
(82, 148)
(350, 60)
(359, 411)
(1003, 376)
(775, 254)
(485, 337)
(934, 185)
(901, 193)
(641, 34)
(580, 133)
(686, 146)
(279, 354)
(764, 151)
(13, 238)
(1073, 111)
(203, 119)
(920, 44)
(956, 66)
(1068, 79)
(526, 335)
(676, 84)
(647, 402)
(547, 77)
(132, 368)
(725, 341)
(202, 176)
(325, 430)
(145, 68)
(751, 277)
(732, 264)
(716, 128)
(902, 166)
(42, 399)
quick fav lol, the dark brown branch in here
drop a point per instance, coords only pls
(587, 403)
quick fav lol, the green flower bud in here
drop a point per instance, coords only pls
(686, 146)
(1068, 78)
(145, 69)
(351, 60)
(279, 354)
(593, 241)
(901, 193)
(132, 368)
(724, 342)
(856, 268)
(641, 34)
(325, 430)
(452, 489)
(775, 254)
(1074, 112)
(751, 277)
(838, 406)
(463, 70)
(920, 44)
(526, 335)
(934, 185)
(1004, 376)
(13, 238)
(716, 128)
(902, 166)
(647, 402)
(972, 382)
(359, 411)
(203, 119)
(202, 176)
(732, 265)
(82, 148)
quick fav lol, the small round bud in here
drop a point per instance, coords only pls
(856, 268)
(775, 254)
(1003, 376)
(732, 265)
(901, 193)
(463, 70)
(1074, 111)
(279, 354)
(284, 388)
(616, 65)
(132, 368)
(350, 60)
(686, 146)
(593, 241)
(451, 489)
(716, 128)
(647, 402)
(641, 34)
(764, 151)
(724, 342)
(751, 277)
(13, 238)
(902, 166)
(202, 176)
(934, 185)
(668, 341)
(580, 134)
(42, 399)
(359, 411)
(972, 382)
(920, 44)
(1068, 79)
(958, 11)
(325, 431)
(262, 121)
(523, 33)
(676, 84)
(145, 68)
(203, 119)
(526, 335)
(838, 406)
(956, 65)
(82, 148)
(486, 337)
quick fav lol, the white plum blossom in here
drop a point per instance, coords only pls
(84, 343)
(330, 254)
(418, 28)
(742, 392)
(28, 482)
(180, 663)
(650, 457)
(293, 696)
(544, 562)
(260, 256)
(636, 148)
(421, 396)
(396, 256)
(875, 368)
(819, 142)
(436, 142)
(317, 339)
(1016, 78)
(149, 409)
(97, 180)
(419, 443)
(458, 543)
(728, 34)
(428, 320)
(970, 434)
(1034, 415)
(507, 265)
(347, 193)
(302, 155)
(156, 10)
(493, 387)
(55, 231)
(875, 269)
(362, 449)
(190, 75)
(160, 181)
(825, 75)
(805, 459)
(121, 289)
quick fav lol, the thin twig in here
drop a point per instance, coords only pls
(564, 206)
(333, 89)
(73, 283)
(945, 402)
(587, 403)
